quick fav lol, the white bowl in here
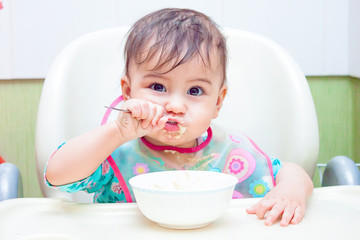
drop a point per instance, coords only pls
(183, 199)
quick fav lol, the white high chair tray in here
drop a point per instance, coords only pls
(332, 213)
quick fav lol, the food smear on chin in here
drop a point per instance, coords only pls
(170, 151)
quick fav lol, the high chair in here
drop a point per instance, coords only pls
(268, 98)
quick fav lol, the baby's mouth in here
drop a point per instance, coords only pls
(174, 129)
(172, 126)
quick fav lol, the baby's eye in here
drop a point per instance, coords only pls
(195, 91)
(158, 87)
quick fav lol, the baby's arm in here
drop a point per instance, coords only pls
(287, 200)
(82, 155)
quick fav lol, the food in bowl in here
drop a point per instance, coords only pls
(183, 199)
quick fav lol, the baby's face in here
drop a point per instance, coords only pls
(191, 95)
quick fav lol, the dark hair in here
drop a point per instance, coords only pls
(178, 35)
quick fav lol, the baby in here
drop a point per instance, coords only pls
(174, 85)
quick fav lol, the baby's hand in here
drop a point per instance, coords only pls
(144, 117)
(283, 201)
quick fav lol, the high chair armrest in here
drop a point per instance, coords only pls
(341, 170)
(10, 182)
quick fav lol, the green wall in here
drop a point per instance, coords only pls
(18, 107)
(356, 119)
(337, 102)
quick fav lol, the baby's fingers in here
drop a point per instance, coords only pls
(161, 123)
(149, 112)
(142, 111)
(298, 216)
(135, 110)
(252, 209)
(159, 112)
(287, 215)
(275, 213)
(155, 113)
(261, 208)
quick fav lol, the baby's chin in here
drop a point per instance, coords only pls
(171, 138)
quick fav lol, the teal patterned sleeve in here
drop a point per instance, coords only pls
(276, 165)
(93, 183)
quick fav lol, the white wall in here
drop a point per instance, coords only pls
(314, 32)
(354, 38)
(5, 44)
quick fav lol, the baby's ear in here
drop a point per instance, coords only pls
(125, 87)
(220, 100)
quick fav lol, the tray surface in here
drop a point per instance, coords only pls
(332, 213)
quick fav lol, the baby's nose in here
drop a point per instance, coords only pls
(176, 104)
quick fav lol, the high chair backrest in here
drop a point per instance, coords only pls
(268, 98)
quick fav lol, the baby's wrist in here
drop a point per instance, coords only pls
(118, 134)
